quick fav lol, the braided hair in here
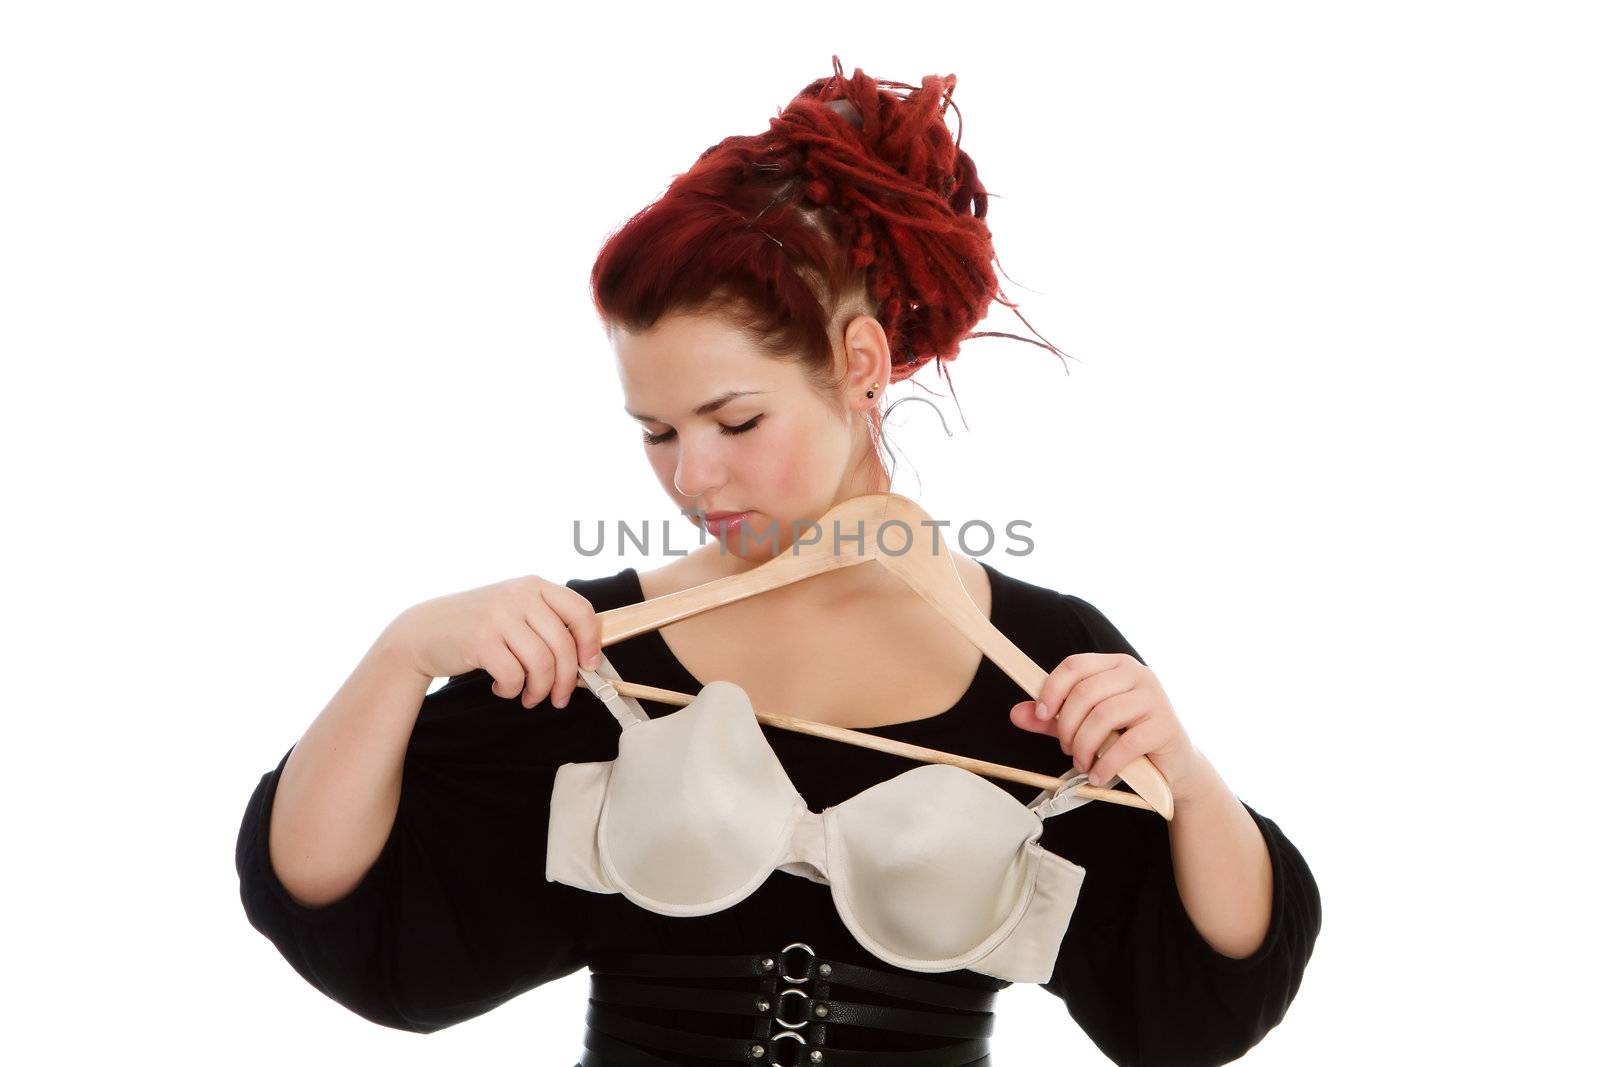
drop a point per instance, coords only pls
(854, 201)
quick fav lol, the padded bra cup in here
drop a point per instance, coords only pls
(935, 869)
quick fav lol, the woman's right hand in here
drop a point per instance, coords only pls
(528, 633)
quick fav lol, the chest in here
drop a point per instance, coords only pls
(873, 669)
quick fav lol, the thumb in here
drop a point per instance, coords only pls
(1023, 717)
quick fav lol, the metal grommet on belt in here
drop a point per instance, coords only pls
(780, 1036)
(785, 974)
(778, 1015)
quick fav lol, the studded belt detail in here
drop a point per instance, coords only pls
(788, 1026)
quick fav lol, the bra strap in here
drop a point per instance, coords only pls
(1064, 797)
(627, 711)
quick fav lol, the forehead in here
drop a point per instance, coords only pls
(684, 360)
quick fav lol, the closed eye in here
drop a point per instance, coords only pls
(658, 438)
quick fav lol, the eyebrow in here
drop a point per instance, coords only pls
(704, 409)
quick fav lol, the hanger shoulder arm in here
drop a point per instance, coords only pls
(619, 624)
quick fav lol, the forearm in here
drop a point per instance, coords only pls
(1220, 861)
(339, 792)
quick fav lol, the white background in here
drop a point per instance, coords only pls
(297, 333)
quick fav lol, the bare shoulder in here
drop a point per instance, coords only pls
(976, 581)
(685, 572)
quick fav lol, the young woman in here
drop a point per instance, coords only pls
(397, 855)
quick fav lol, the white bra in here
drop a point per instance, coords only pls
(935, 869)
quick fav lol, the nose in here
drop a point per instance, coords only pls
(697, 472)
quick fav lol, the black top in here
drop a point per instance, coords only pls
(455, 917)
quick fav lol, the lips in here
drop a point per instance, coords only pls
(724, 523)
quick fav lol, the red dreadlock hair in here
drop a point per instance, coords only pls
(855, 201)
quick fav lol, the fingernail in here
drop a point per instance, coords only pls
(561, 702)
(591, 663)
(1042, 710)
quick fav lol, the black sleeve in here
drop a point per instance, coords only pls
(1133, 970)
(455, 917)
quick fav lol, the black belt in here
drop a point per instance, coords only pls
(797, 1014)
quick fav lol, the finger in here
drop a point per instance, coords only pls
(578, 615)
(1138, 740)
(1024, 718)
(536, 660)
(506, 669)
(1113, 713)
(531, 644)
(558, 645)
(1085, 697)
(1067, 674)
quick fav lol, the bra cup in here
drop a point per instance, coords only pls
(1029, 952)
(699, 808)
(931, 868)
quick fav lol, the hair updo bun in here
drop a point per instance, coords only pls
(854, 199)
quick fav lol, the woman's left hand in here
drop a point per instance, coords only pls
(1091, 694)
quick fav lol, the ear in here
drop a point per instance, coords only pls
(866, 354)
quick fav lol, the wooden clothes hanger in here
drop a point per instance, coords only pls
(933, 577)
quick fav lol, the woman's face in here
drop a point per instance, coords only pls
(728, 428)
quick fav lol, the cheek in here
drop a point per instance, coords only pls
(662, 464)
(788, 462)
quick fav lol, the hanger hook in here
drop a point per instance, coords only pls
(894, 460)
(923, 400)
